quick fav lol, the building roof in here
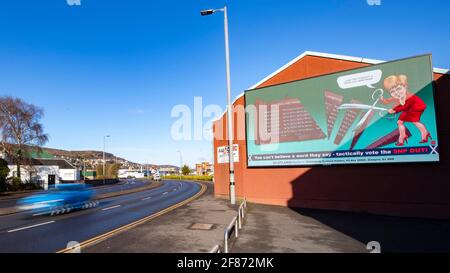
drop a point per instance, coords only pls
(323, 55)
(168, 167)
(333, 56)
(61, 163)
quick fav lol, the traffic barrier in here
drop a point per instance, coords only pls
(215, 249)
(235, 225)
(228, 231)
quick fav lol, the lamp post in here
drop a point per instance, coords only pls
(84, 170)
(181, 163)
(230, 107)
(104, 157)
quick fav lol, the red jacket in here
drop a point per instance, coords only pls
(412, 110)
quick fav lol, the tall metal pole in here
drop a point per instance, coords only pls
(104, 158)
(230, 110)
(230, 131)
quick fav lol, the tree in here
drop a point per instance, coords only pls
(113, 170)
(99, 171)
(4, 171)
(21, 130)
(185, 170)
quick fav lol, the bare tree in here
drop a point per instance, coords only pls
(20, 129)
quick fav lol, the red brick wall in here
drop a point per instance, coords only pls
(418, 190)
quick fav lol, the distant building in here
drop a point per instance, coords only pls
(89, 174)
(123, 174)
(168, 170)
(204, 168)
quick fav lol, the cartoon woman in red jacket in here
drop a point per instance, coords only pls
(408, 104)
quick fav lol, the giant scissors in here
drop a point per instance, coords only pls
(376, 96)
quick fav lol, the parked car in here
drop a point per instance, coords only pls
(61, 198)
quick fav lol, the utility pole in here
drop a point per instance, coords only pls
(230, 106)
(104, 158)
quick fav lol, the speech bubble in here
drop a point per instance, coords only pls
(368, 79)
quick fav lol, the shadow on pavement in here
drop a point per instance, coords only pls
(395, 234)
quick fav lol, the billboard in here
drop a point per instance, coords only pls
(383, 113)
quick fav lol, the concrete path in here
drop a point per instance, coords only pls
(272, 229)
(172, 232)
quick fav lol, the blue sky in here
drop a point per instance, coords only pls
(118, 67)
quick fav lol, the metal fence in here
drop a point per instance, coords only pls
(235, 225)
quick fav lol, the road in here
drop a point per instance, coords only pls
(19, 233)
(127, 184)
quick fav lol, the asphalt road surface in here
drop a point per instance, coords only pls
(127, 184)
(21, 233)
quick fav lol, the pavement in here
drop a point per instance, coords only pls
(268, 229)
(172, 232)
(274, 229)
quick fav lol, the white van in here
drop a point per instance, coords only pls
(156, 177)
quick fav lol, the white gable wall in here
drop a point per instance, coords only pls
(36, 174)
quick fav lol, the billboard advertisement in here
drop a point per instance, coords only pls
(382, 113)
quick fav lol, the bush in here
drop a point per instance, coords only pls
(4, 171)
(17, 185)
(32, 186)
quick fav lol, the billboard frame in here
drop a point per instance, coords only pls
(410, 163)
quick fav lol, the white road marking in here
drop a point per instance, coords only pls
(165, 193)
(146, 198)
(111, 207)
(37, 225)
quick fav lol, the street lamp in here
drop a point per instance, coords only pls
(181, 163)
(84, 170)
(230, 107)
(104, 156)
